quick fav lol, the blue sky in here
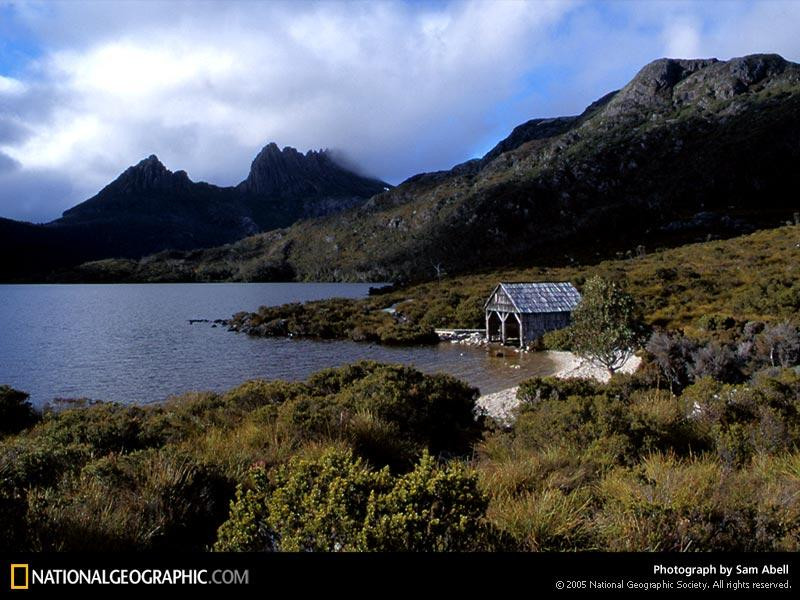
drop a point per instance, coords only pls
(88, 88)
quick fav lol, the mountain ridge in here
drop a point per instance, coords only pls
(683, 138)
(149, 208)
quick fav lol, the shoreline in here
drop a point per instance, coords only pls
(500, 405)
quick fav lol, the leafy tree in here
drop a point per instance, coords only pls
(606, 326)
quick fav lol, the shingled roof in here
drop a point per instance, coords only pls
(541, 297)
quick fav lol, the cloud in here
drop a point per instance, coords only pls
(26, 194)
(398, 88)
(682, 39)
(7, 163)
(10, 86)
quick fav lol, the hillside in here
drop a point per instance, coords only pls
(688, 148)
(149, 208)
(696, 287)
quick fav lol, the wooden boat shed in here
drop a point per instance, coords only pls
(523, 312)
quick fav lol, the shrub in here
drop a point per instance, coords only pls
(716, 322)
(660, 422)
(370, 404)
(671, 505)
(619, 421)
(336, 502)
(469, 313)
(554, 388)
(16, 413)
(558, 339)
(28, 461)
(779, 345)
(406, 335)
(428, 509)
(257, 393)
(436, 411)
(105, 427)
(717, 361)
(148, 500)
(13, 518)
(579, 421)
(673, 354)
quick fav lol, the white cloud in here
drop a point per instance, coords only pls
(10, 86)
(399, 88)
(396, 88)
(682, 39)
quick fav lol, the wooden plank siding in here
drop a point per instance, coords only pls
(500, 302)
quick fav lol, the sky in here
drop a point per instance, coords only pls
(90, 88)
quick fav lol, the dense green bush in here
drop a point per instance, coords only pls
(389, 413)
(336, 502)
(558, 339)
(555, 388)
(431, 508)
(103, 427)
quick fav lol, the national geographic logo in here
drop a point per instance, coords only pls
(22, 576)
(19, 576)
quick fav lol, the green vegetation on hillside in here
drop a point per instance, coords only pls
(697, 287)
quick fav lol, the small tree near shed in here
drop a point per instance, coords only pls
(606, 326)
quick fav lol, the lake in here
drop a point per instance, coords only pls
(133, 343)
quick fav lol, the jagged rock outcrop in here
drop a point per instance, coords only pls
(668, 84)
(289, 173)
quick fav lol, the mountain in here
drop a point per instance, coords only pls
(687, 149)
(149, 208)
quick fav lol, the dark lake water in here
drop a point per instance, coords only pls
(134, 343)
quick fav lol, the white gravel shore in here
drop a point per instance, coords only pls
(500, 405)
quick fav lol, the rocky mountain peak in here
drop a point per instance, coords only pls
(652, 87)
(667, 84)
(289, 173)
(149, 174)
(148, 177)
(275, 171)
